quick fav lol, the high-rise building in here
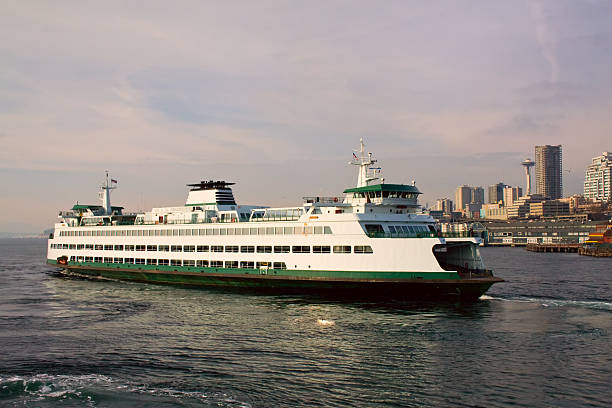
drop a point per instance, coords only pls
(477, 195)
(549, 171)
(445, 205)
(598, 178)
(511, 194)
(463, 196)
(496, 193)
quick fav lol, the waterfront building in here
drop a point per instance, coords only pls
(511, 194)
(521, 207)
(598, 178)
(549, 208)
(496, 193)
(522, 232)
(549, 171)
(495, 211)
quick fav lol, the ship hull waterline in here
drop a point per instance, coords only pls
(418, 288)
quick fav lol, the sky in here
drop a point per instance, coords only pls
(275, 95)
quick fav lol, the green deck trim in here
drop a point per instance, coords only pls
(293, 274)
(384, 187)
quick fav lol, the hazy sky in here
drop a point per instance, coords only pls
(275, 95)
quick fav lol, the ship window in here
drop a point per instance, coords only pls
(342, 249)
(202, 248)
(80, 246)
(140, 247)
(188, 262)
(118, 247)
(216, 248)
(373, 228)
(163, 261)
(261, 230)
(281, 249)
(231, 248)
(231, 264)
(118, 260)
(157, 232)
(203, 264)
(209, 231)
(175, 232)
(327, 230)
(108, 247)
(108, 260)
(97, 247)
(264, 265)
(128, 260)
(73, 258)
(391, 229)
(163, 248)
(308, 230)
(216, 264)
(189, 248)
(215, 231)
(176, 248)
(318, 230)
(270, 230)
(223, 231)
(245, 231)
(247, 264)
(151, 248)
(87, 259)
(202, 231)
(139, 261)
(151, 261)
(298, 230)
(247, 249)
(325, 249)
(97, 259)
(278, 230)
(363, 249)
(176, 262)
(299, 249)
(279, 265)
(264, 249)
(231, 231)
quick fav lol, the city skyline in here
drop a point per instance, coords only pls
(275, 97)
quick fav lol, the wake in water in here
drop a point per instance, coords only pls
(98, 390)
(551, 302)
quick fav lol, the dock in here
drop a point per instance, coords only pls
(604, 252)
(553, 247)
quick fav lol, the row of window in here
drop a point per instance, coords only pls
(202, 263)
(408, 229)
(101, 232)
(261, 249)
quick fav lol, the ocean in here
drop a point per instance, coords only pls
(540, 339)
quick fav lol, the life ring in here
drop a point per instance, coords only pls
(335, 199)
(62, 260)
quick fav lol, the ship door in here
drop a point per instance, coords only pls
(194, 218)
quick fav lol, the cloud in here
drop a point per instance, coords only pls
(546, 39)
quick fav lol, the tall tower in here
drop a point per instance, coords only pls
(528, 164)
(549, 170)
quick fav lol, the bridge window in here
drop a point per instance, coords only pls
(342, 249)
(363, 249)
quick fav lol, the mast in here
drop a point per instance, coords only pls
(106, 188)
(366, 174)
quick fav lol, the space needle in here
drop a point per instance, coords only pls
(528, 164)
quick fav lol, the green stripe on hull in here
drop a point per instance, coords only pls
(280, 273)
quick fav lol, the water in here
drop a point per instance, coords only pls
(542, 339)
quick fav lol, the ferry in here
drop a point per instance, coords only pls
(374, 241)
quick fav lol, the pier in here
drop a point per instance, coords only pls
(553, 247)
(605, 252)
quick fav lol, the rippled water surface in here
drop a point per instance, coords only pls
(541, 339)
